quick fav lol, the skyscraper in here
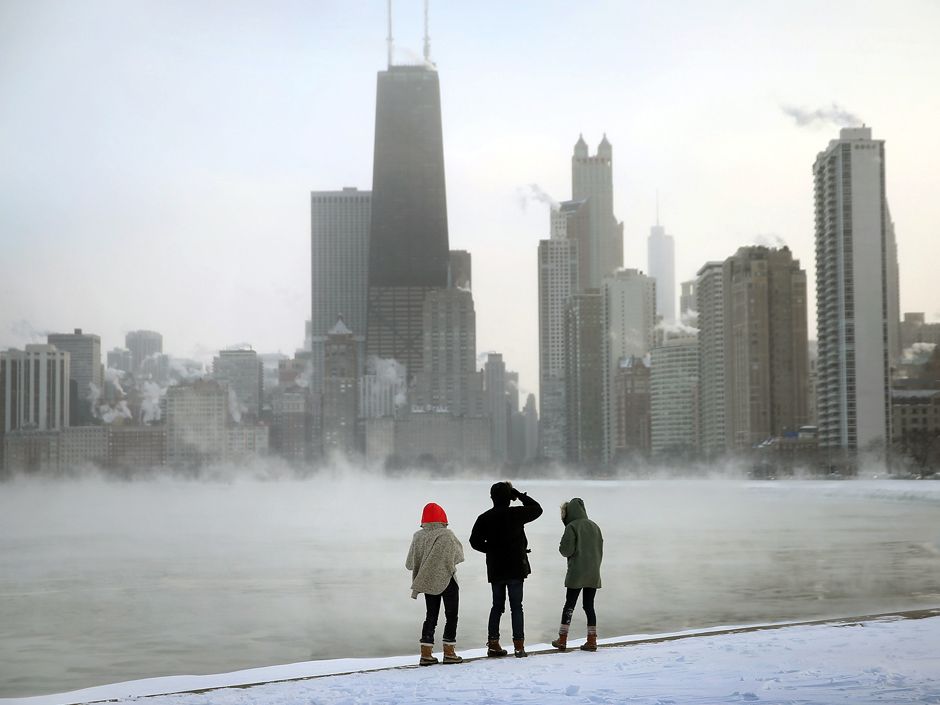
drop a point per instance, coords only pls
(34, 389)
(572, 220)
(340, 391)
(661, 259)
(592, 179)
(85, 372)
(449, 359)
(339, 249)
(408, 249)
(673, 397)
(753, 359)
(242, 370)
(497, 409)
(714, 422)
(558, 280)
(142, 344)
(584, 336)
(855, 281)
(766, 347)
(628, 300)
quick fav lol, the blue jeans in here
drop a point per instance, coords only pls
(500, 589)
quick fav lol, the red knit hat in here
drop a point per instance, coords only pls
(433, 513)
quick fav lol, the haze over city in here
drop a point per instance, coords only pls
(158, 157)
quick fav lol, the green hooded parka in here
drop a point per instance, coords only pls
(582, 544)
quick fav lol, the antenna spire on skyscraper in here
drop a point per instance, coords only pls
(389, 39)
(427, 38)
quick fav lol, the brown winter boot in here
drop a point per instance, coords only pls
(562, 641)
(494, 649)
(427, 658)
(591, 643)
(518, 646)
(450, 656)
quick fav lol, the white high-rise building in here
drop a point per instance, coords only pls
(243, 372)
(856, 293)
(714, 418)
(674, 397)
(339, 239)
(661, 262)
(558, 281)
(628, 315)
(34, 389)
(592, 179)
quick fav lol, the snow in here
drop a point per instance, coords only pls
(889, 660)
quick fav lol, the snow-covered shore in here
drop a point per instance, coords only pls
(886, 660)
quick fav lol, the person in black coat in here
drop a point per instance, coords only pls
(500, 534)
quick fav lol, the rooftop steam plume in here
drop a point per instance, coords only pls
(833, 115)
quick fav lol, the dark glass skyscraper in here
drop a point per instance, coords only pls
(408, 247)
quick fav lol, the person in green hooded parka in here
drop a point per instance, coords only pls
(583, 545)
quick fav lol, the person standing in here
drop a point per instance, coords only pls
(583, 545)
(432, 559)
(500, 534)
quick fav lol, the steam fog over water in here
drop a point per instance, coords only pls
(104, 581)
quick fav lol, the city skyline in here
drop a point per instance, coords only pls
(165, 167)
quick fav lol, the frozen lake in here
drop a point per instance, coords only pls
(106, 581)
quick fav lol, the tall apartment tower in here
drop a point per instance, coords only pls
(408, 248)
(855, 278)
(34, 389)
(142, 344)
(558, 281)
(339, 263)
(592, 180)
(85, 373)
(765, 345)
(584, 335)
(450, 351)
(674, 397)
(340, 390)
(714, 423)
(628, 300)
(661, 260)
(631, 426)
(494, 374)
(242, 371)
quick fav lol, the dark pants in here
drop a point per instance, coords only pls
(500, 589)
(571, 599)
(451, 599)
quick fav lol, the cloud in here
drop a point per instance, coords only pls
(834, 115)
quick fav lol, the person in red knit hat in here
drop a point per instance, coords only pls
(432, 559)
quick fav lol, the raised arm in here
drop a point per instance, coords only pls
(532, 509)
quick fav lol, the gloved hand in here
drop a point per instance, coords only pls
(514, 493)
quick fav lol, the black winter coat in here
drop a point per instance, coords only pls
(500, 534)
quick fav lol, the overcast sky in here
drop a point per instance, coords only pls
(156, 157)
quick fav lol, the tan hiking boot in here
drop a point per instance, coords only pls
(450, 656)
(427, 658)
(518, 646)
